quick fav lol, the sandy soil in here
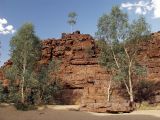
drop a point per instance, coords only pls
(51, 113)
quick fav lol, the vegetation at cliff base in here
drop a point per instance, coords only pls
(29, 85)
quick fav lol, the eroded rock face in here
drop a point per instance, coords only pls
(7, 64)
(5, 82)
(79, 63)
(85, 81)
(149, 55)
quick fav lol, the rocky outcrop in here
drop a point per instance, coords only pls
(5, 82)
(79, 63)
(85, 81)
(7, 64)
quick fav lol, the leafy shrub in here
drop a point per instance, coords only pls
(24, 106)
(51, 92)
(144, 90)
(3, 93)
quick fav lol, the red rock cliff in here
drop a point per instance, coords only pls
(85, 81)
(79, 67)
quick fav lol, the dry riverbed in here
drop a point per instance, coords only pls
(59, 112)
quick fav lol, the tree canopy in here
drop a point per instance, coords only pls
(72, 19)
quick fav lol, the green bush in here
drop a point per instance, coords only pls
(3, 94)
(51, 92)
(24, 106)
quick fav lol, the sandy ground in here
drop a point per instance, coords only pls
(62, 113)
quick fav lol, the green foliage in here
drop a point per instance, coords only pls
(1, 92)
(41, 87)
(45, 71)
(147, 106)
(112, 26)
(100, 43)
(51, 92)
(25, 47)
(120, 76)
(14, 95)
(139, 30)
(72, 19)
(32, 81)
(144, 90)
(54, 65)
(49, 84)
(106, 59)
(24, 106)
(139, 70)
(11, 73)
(9, 94)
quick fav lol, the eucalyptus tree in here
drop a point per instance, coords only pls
(25, 51)
(72, 19)
(112, 28)
(122, 39)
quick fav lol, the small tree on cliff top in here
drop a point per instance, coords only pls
(72, 19)
(25, 48)
(122, 41)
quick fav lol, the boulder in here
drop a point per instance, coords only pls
(117, 107)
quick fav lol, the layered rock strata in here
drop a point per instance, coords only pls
(85, 81)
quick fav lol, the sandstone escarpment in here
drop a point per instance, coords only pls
(85, 81)
(79, 63)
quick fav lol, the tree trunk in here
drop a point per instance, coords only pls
(115, 59)
(41, 94)
(130, 92)
(109, 91)
(130, 82)
(22, 82)
(110, 82)
(22, 88)
(71, 28)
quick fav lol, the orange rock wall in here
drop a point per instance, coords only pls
(79, 57)
(85, 82)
